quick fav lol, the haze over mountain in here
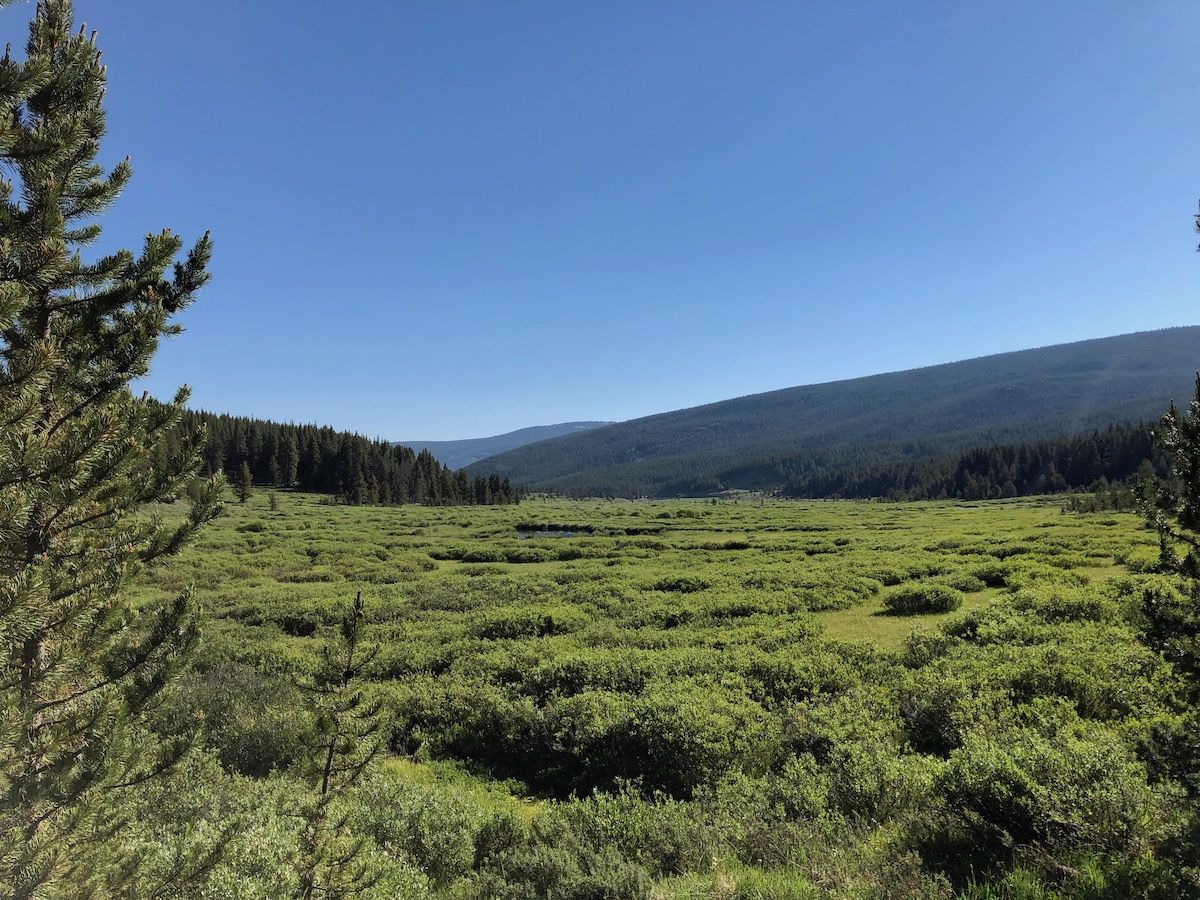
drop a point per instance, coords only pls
(457, 454)
(760, 440)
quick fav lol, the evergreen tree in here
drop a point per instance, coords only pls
(347, 739)
(1172, 508)
(81, 457)
(245, 483)
(1172, 623)
(289, 459)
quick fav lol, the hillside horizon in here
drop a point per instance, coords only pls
(1023, 394)
(462, 452)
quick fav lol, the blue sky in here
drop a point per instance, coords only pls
(448, 219)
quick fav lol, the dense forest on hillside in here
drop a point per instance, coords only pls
(931, 412)
(355, 468)
(1082, 462)
(893, 471)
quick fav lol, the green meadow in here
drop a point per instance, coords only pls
(754, 699)
(621, 573)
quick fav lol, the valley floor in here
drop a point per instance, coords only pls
(689, 699)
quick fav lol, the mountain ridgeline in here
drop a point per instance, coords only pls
(800, 436)
(457, 454)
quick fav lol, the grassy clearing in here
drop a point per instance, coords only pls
(870, 622)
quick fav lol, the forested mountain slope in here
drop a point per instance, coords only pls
(1027, 394)
(457, 454)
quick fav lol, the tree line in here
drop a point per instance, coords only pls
(1093, 461)
(316, 458)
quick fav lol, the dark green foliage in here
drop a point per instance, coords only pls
(253, 720)
(922, 597)
(245, 483)
(82, 463)
(438, 828)
(681, 584)
(672, 738)
(1171, 618)
(1051, 783)
(752, 442)
(965, 582)
(529, 622)
(1095, 462)
(1173, 508)
(992, 574)
(356, 469)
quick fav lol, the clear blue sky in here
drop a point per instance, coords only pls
(449, 219)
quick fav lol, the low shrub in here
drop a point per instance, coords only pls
(432, 825)
(992, 574)
(530, 555)
(528, 622)
(926, 597)
(674, 737)
(254, 720)
(965, 582)
(1052, 783)
(681, 584)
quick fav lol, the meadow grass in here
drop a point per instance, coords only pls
(709, 699)
(642, 571)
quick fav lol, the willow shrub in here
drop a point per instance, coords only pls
(922, 597)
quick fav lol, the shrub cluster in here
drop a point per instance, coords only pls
(922, 597)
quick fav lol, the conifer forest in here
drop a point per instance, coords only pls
(243, 659)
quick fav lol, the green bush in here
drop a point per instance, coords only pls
(530, 555)
(922, 597)
(501, 834)
(964, 581)
(992, 574)
(1050, 785)
(470, 720)
(528, 622)
(664, 836)
(255, 721)
(674, 737)
(1064, 603)
(432, 825)
(681, 584)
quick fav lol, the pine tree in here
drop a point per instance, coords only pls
(77, 471)
(245, 483)
(289, 459)
(1172, 621)
(347, 740)
(1172, 509)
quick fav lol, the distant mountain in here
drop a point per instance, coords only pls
(763, 440)
(457, 454)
